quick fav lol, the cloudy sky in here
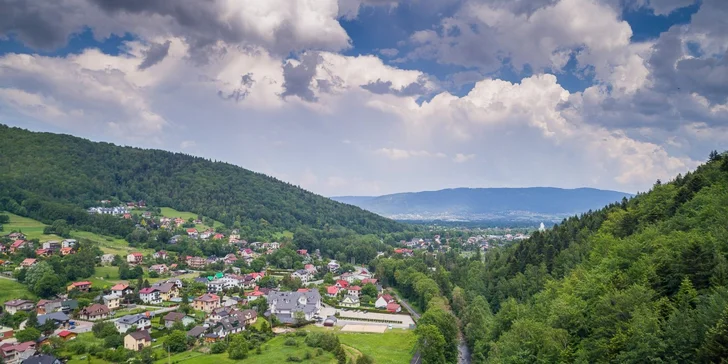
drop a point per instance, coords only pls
(367, 97)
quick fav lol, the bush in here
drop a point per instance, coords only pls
(307, 356)
(293, 358)
(218, 347)
(301, 333)
(290, 342)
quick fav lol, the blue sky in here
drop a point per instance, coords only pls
(348, 97)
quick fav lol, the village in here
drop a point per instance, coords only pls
(208, 297)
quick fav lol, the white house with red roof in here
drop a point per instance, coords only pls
(160, 255)
(150, 295)
(28, 262)
(17, 245)
(353, 291)
(135, 258)
(342, 284)
(192, 233)
(332, 291)
(394, 308)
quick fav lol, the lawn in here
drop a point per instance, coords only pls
(172, 213)
(33, 229)
(276, 353)
(391, 347)
(108, 244)
(10, 290)
(99, 279)
(280, 236)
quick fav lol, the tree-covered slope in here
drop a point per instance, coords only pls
(42, 174)
(644, 280)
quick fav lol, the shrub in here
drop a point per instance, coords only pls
(290, 342)
(307, 356)
(293, 358)
(218, 347)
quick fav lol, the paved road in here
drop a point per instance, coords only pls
(407, 306)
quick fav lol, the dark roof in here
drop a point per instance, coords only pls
(40, 359)
(196, 331)
(141, 335)
(174, 316)
(55, 316)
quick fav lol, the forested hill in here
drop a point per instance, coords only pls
(641, 281)
(480, 204)
(44, 174)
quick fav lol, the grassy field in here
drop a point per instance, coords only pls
(10, 290)
(172, 213)
(276, 353)
(99, 279)
(33, 229)
(391, 347)
(108, 244)
(280, 236)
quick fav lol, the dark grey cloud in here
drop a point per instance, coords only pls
(297, 79)
(155, 54)
(385, 87)
(42, 25)
(240, 93)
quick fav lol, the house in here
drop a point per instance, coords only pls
(192, 233)
(354, 290)
(230, 259)
(167, 290)
(207, 302)
(150, 295)
(47, 306)
(135, 258)
(383, 301)
(28, 262)
(43, 252)
(196, 332)
(218, 236)
(160, 255)
(5, 333)
(17, 245)
(196, 262)
(94, 312)
(175, 239)
(66, 251)
(284, 305)
(68, 243)
(311, 269)
(83, 286)
(332, 291)
(140, 321)
(252, 296)
(107, 258)
(172, 317)
(159, 268)
(16, 236)
(67, 335)
(340, 284)
(303, 252)
(41, 359)
(112, 301)
(121, 289)
(348, 277)
(369, 281)
(67, 306)
(60, 319)
(16, 353)
(393, 307)
(205, 235)
(249, 316)
(333, 266)
(52, 245)
(137, 340)
(225, 282)
(350, 301)
(14, 306)
(301, 274)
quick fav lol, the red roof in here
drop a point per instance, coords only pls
(191, 230)
(392, 307)
(302, 251)
(218, 236)
(355, 288)
(138, 255)
(147, 290)
(208, 297)
(17, 243)
(84, 283)
(342, 283)
(64, 333)
(387, 297)
(303, 290)
(369, 280)
(332, 290)
(119, 287)
(28, 261)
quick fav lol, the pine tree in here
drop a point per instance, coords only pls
(715, 345)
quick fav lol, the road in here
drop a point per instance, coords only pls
(407, 306)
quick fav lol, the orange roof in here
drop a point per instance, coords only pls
(83, 283)
(119, 287)
(65, 333)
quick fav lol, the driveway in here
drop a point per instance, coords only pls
(351, 317)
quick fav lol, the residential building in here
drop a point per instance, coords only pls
(196, 332)
(5, 333)
(112, 301)
(167, 290)
(83, 286)
(135, 258)
(172, 317)
(66, 251)
(137, 340)
(14, 306)
(301, 274)
(354, 290)
(52, 245)
(67, 335)
(60, 319)
(383, 301)
(393, 307)
(284, 305)
(94, 312)
(47, 306)
(140, 321)
(17, 245)
(107, 259)
(196, 262)
(333, 266)
(159, 268)
(332, 291)
(28, 262)
(160, 255)
(68, 243)
(17, 352)
(41, 359)
(350, 301)
(192, 233)
(311, 269)
(121, 289)
(150, 295)
(250, 316)
(207, 302)
(340, 284)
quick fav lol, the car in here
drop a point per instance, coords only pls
(389, 326)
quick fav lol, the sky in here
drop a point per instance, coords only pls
(370, 97)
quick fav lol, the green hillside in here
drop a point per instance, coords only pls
(44, 175)
(644, 280)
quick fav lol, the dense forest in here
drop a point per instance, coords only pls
(644, 280)
(52, 176)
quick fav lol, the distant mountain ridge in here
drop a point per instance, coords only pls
(474, 204)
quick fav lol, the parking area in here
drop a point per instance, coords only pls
(364, 328)
(355, 317)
